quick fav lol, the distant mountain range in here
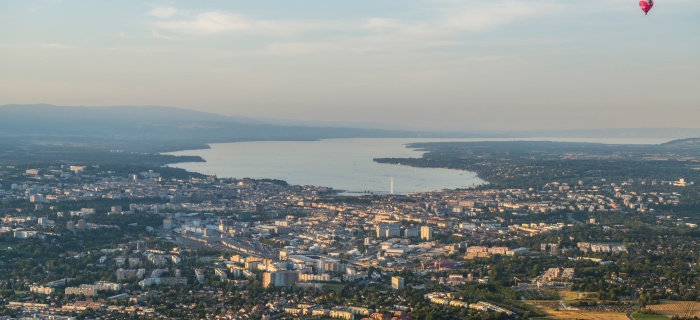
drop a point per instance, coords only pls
(661, 133)
(165, 126)
(157, 122)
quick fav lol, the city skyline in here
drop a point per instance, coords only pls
(475, 65)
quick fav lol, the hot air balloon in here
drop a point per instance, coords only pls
(646, 5)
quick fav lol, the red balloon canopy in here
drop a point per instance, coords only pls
(646, 5)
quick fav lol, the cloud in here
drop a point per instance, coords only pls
(440, 26)
(164, 12)
(455, 18)
(208, 23)
(38, 45)
(156, 34)
(218, 22)
(494, 15)
(56, 45)
(460, 20)
(443, 29)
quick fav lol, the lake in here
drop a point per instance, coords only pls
(343, 164)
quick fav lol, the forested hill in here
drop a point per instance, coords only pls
(151, 123)
(136, 134)
(683, 143)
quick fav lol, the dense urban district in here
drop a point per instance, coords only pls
(561, 230)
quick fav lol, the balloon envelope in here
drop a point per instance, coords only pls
(646, 5)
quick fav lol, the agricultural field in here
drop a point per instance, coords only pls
(561, 309)
(575, 295)
(683, 309)
(558, 310)
(642, 316)
(539, 294)
(585, 315)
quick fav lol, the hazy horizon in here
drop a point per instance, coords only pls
(608, 132)
(431, 64)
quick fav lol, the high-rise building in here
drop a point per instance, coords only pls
(80, 225)
(411, 232)
(397, 283)
(199, 275)
(268, 279)
(37, 198)
(280, 278)
(221, 274)
(426, 233)
(388, 230)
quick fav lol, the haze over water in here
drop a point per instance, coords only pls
(343, 164)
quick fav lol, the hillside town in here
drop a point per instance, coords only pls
(221, 239)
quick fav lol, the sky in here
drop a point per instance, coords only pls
(433, 64)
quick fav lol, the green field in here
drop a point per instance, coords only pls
(642, 316)
(208, 258)
(335, 286)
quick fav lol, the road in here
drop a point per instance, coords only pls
(634, 298)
